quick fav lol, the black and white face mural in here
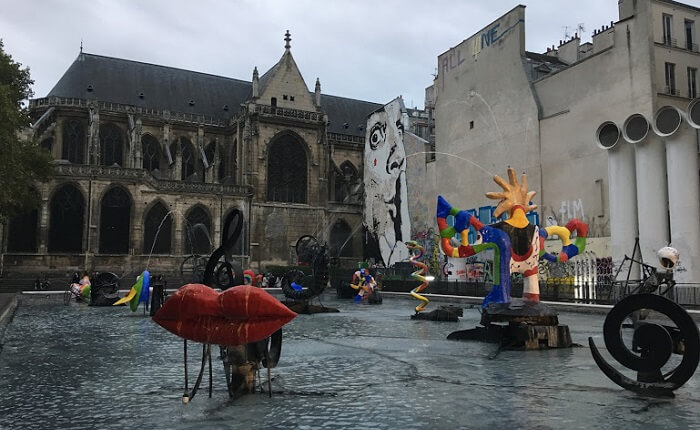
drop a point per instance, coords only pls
(386, 217)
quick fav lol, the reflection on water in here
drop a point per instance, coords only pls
(365, 367)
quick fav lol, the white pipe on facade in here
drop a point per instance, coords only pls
(683, 187)
(652, 189)
(622, 189)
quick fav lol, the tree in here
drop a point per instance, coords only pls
(22, 161)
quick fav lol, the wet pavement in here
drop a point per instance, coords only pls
(366, 367)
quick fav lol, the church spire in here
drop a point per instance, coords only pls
(256, 83)
(317, 93)
(287, 39)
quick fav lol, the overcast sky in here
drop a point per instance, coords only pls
(371, 50)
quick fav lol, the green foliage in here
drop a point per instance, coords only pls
(22, 161)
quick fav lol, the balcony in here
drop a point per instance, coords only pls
(128, 109)
(140, 175)
(289, 113)
(671, 91)
(670, 41)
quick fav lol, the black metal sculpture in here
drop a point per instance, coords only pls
(652, 346)
(301, 288)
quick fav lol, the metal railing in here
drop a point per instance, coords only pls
(123, 108)
(121, 173)
(288, 113)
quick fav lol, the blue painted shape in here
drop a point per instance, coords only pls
(443, 208)
(462, 221)
(500, 293)
(486, 214)
(145, 290)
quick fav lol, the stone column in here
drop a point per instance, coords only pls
(93, 152)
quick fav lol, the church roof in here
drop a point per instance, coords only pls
(167, 88)
(141, 84)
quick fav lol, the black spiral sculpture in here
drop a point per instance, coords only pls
(652, 346)
(308, 251)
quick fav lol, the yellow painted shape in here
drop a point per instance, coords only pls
(518, 219)
(128, 297)
(563, 233)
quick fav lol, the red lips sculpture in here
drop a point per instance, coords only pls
(237, 316)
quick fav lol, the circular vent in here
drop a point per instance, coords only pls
(608, 135)
(694, 113)
(667, 121)
(635, 129)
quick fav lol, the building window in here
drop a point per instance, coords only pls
(341, 239)
(668, 30)
(157, 228)
(111, 145)
(286, 171)
(115, 222)
(150, 150)
(22, 232)
(273, 102)
(345, 182)
(187, 160)
(66, 220)
(284, 97)
(670, 71)
(197, 238)
(73, 142)
(47, 144)
(690, 36)
(692, 82)
(291, 98)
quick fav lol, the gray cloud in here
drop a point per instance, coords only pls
(370, 50)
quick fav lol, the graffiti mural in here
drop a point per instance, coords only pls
(386, 218)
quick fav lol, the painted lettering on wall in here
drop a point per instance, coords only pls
(571, 209)
(490, 36)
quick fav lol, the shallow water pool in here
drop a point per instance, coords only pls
(82, 367)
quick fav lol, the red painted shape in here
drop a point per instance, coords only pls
(237, 316)
(523, 257)
(578, 225)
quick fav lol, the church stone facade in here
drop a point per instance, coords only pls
(151, 159)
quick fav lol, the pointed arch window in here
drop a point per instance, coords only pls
(188, 159)
(22, 232)
(341, 239)
(158, 228)
(73, 142)
(47, 144)
(345, 180)
(115, 222)
(111, 145)
(286, 171)
(67, 208)
(151, 153)
(197, 231)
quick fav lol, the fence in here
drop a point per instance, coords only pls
(584, 279)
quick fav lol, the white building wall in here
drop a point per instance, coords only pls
(486, 116)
